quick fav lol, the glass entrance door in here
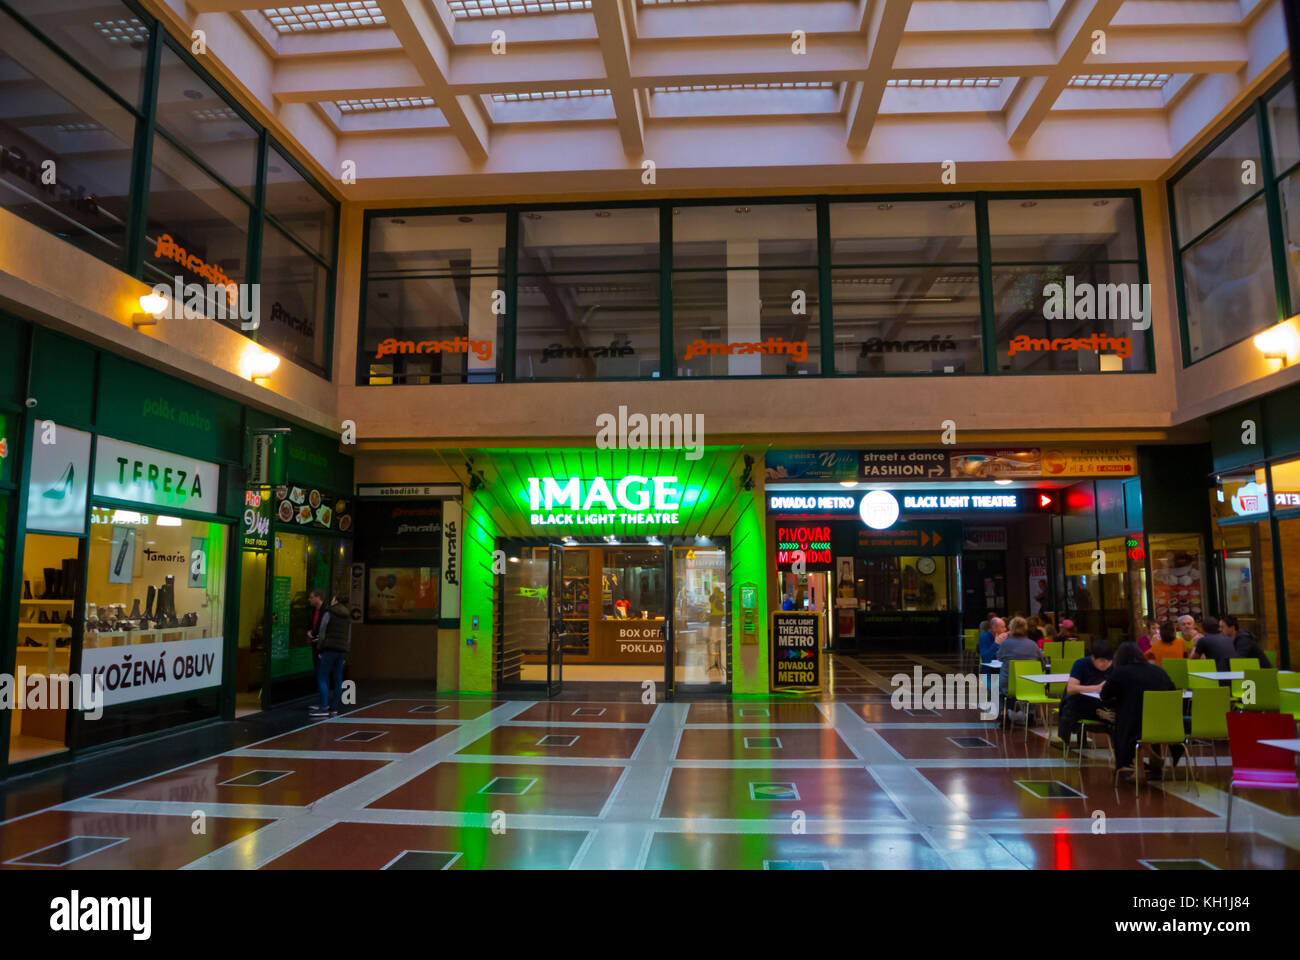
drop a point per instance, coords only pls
(569, 590)
(700, 602)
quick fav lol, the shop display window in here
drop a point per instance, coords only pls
(1177, 575)
(1288, 532)
(153, 579)
(303, 562)
(45, 632)
(251, 650)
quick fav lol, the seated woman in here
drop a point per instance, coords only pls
(1133, 676)
(1166, 644)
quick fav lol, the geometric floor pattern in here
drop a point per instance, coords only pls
(845, 781)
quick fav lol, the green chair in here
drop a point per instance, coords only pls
(1074, 649)
(1162, 723)
(1177, 670)
(1268, 698)
(970, 639)
(1289, 703)
(1197, 667)
(1210, 718)
(1241, 663)
(1027, 691)
(1054, 650)
(1197, 682)
(1083, 733)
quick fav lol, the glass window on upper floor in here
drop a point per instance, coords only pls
(295, 298)
(1214, 187)
(197, 229)
(922, 314)
(65, 148)
(195, 115)
(298, 207)
(730, 236)
(1068, 294)
(434, 299)
(104, 37)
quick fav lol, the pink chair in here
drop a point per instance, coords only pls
(1256, 766)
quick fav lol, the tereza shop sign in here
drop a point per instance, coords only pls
(126, 471)
(145, 671)
(632, 500)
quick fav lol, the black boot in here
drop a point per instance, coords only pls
(49, 583)
(43, 618)
(148, 604)
(71, 579)
(167, 603)
(135, 610)
(27, 590)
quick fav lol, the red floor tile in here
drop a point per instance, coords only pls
(849, 793)
(525, 741)
(579, 791)
(394, 738)
(308, 781)
(762, 743)
(372, 846)
(943, 744)
(762, 712)
(990, 793)
(554, 711)
(426, 710)
(152, 842)
(1125, 851)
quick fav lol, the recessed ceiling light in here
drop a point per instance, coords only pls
(465, 219)
(884, 206)
(957, 205)
(1100, 203)
(399, 222)
(742, 209)
(602, 213)
(193, 94)
(1029, 203)
(533, 216)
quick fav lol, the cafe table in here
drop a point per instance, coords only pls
(1045, 677)
(1187, 695)
(1292, 745)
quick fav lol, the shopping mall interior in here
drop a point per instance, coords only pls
(648, 422)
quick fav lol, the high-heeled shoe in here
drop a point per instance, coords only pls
(29, 642)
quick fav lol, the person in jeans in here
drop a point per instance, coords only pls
(335, 639)
(1017, 646)
(1087, 675)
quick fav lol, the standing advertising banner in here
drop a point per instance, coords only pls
(281, 597)
(451, 534)
(796, 640)
(1036, 570)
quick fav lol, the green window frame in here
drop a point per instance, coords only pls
(1268, 180)
(142, 158)
(822, 202)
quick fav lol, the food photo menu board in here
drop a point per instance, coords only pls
(1177, 576)
(310, 507)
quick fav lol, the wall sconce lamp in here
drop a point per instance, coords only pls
(1279, 343)
(258, 364)
(747, 478)
(152, 305)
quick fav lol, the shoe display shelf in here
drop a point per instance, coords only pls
(124, 638)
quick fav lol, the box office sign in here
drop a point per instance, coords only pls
(144, 671)
(796, 650)
(127, 471)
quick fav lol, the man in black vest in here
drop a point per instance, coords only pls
(335, 638)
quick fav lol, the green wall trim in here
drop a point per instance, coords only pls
(714, 504)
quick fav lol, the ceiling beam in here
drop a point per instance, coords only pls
(888, 18)
(611, 27)
(429, 48)
(1034, 96)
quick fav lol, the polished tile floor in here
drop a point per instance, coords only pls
(844, 781)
